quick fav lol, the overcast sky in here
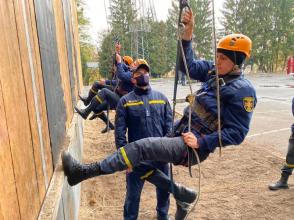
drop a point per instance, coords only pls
(95, 11)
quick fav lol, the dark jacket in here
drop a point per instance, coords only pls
(238, 99)
(142, 113)
(124, 76)
(113, 82)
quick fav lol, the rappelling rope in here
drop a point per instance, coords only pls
(191, 102)
(217, 84)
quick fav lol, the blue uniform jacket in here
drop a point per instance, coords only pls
(126, 79)
(142, 114)
(238, 99)
(124, 76)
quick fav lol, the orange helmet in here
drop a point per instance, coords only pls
(139, 62)
(236, 42)
(128, 60)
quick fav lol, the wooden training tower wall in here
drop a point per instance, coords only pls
(40, 77)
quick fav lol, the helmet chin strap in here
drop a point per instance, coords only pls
(235, 69)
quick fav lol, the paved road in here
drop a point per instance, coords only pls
(272, 117)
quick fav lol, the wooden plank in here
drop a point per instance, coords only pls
(63, 59)
(9, 208)
(17, 119)
(24, 37)
(41, 91)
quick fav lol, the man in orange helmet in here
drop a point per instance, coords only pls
(238, 99)
(108, 99)
(106, 90)
(108, 83)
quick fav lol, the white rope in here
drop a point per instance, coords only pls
(181, 26)
(217, 84)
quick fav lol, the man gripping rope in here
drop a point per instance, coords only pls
(238, 99)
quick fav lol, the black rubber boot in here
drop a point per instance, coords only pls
(77, 172)
(87, 100)
(281, 184)
(183, 195)
(104, 118)
(184, 199)
(84, 113)
(106, 129)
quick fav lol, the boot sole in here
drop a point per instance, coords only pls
(80, 113)
(66, 159)
(277, 188)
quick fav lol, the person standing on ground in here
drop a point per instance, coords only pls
(288, 167)
(143, 113)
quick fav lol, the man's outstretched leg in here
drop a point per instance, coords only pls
(84, 113)
(91, 94)
(157, 149)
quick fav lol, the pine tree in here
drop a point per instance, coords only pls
(267, 23)
(122, 15)
(157, 49)
(203, 28)
(171, 35)
(86, 48)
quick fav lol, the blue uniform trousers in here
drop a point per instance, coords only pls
(135, 183)
(288, 167)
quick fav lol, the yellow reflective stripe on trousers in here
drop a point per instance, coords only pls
(147, 175)
(126, 159)
(92, 90)
(133, 104)
(99, 113)
(290, 165)
(98, 98)
(157, 102)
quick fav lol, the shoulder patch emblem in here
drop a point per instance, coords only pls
(248, 103)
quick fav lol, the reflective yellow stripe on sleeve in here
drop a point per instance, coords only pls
(147, 175)
(157, 102)
(290, 165)
(126, 159)
(133, 104)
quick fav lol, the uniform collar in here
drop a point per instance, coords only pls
(140, 91)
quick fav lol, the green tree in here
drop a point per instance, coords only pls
(157, 48)
(268, 24)
(86, 48)
(122, 16)
(171, 35)
(202, 33)
(105, 53)
(203, 28)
